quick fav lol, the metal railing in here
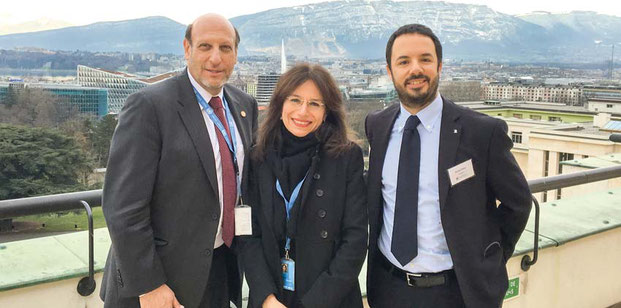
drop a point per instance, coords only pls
(562, 181)
(87, 199)
(58, 203)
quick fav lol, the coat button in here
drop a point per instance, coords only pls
(324, 234)
(321, 213)
(214, 216)
(207, 252)
(319, 193)
(317, 176)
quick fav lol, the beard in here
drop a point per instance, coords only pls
(420, 99)
(213, 85)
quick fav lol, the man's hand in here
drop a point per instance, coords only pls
(162, 297)
(272, 302)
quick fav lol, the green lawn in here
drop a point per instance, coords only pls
(57, 222)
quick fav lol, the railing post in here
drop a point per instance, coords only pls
(87, 285)
(526, 260)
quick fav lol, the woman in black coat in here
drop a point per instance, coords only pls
(304, 159)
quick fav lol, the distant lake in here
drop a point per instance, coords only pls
(16, 72)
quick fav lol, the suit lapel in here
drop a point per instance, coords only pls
(192, 118)
(382, 127)
(450, 133)
(236, 112)
(306, 187)
(379, 144)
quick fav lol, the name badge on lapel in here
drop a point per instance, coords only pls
(243, 220)
(461, 172)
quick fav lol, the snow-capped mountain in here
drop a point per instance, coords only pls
(360, 29)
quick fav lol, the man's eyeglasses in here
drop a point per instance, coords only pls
(312, 104)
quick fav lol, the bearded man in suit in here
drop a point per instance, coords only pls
(436, 170)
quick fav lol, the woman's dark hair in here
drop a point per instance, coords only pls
(333, 132)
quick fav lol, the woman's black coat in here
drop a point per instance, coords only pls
(331, 233)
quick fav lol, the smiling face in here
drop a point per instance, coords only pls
(211, 55)
(415, 70)
(302, 111)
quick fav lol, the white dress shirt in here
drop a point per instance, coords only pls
(433, 254)
(211, 129)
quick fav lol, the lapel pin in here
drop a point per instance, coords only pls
(243, 114)
(455, 131)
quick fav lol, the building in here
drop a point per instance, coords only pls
(545, 135)
(119, 85)
(251, 88)
(602, 91)
(568, 95)
(380, 94)
(604, 104)
(589, 163)
(265, 87)
(86, 100)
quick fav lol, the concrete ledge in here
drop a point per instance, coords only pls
(46, 259)
(43, 264)
(566, 220)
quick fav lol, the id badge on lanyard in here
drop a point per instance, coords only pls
(288, 273)
(288, 265)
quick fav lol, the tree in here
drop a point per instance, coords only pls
(35, 107)
(100, 137)
(461, 91)
(38, 161)
(356, 114)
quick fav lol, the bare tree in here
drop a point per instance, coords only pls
(462, 91)
(36, 107)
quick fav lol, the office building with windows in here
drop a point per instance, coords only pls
(569, 95)
(546, 136)
(265, 87)
(85, 100)
(119, 85)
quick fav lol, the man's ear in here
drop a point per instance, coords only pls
(187, 46)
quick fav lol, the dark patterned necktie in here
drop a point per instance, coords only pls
(404, 245)
(229, 185)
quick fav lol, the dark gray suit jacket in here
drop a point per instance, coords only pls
(481, 237)
(160, 196)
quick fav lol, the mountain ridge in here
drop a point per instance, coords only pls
(360, 29)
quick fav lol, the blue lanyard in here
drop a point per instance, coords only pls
(229, 119)
(289, 203)
(212, 115)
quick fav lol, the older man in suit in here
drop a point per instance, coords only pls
(173, 180)
(436, 170)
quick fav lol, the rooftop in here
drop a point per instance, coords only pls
(525, 105)
(602, 161)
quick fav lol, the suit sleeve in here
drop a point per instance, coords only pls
(255, 120)
(342, 273)
(367, 131)
(258, 276)
(509, 186)
(129, 183)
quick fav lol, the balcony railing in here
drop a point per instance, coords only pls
(87, 199)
